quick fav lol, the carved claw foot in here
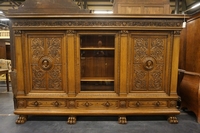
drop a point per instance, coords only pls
(71, 120)
(122, 120)
(21, 119)
(173, 120)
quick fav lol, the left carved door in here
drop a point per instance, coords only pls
(45, 62)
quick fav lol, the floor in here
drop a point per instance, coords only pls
(54, 124)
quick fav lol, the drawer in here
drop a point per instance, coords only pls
(136, 104)
(97, 104)
(46, 103)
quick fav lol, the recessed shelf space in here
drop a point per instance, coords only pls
(97, 62)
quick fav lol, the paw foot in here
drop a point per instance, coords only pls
(71, 120)
(172, 120)
(122, 120)
(21, 119)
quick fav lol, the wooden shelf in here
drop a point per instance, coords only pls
(97, 79)
(94, 48)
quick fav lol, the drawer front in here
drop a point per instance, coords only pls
(136, 104)
(97, 104)
(46, 103)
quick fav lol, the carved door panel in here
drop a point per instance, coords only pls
(46, 62)
(150, 62)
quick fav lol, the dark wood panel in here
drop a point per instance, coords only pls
(2, 49)
(192, 46)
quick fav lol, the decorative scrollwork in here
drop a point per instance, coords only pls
(95, 22)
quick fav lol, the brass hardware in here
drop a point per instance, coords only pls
(157, 103)
(36, 103)
(87, 104)
(107, 104)
(138, 104)
(56, 104)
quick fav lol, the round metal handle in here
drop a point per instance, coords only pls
(157, 103)
(107, 104)
(36, 103)
(87, 104)
(138, 104)
(56, 104)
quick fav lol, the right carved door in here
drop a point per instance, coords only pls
(150, 63)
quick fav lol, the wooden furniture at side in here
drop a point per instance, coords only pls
(5, 71)
(189, 54)
(2, 50)
(142, 7)
(189, 91)
(5, 49)
(189, 65)
(86, 64)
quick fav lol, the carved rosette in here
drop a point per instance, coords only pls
(172, 104)
(122, 104)
(21, 104)
(71, 104)
(148, 63)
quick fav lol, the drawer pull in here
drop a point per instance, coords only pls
(138, 104)
(157, 103)
(87, 104)
(56, 104)
(36, 103)
(107, 104)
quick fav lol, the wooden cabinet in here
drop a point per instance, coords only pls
(142, 7)
(95, 65)
(189, 65)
